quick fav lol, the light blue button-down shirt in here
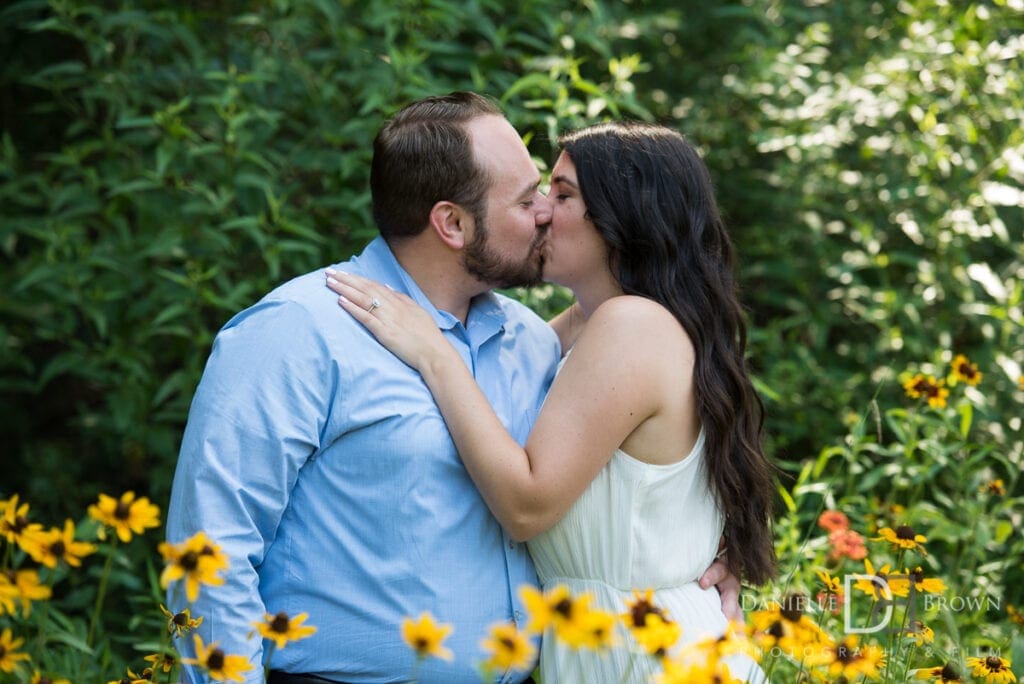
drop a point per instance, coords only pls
(322, 466)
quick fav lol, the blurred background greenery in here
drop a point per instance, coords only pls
(164, 164)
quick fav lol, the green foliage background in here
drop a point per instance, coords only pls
(164, 164)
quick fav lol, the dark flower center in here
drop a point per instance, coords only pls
(777, 630)
(215, 661)
(122, 511)
(422, 644)
(279, 623)
(180, 619)
(57, 548)
(950, 674)
(845, 655)
(639, 612)
(206, 551)
(20, 523)
(918, 576)
(507, 643)
(994, 664)
(792, 607)
(3, 652)
(189, 560)
(564, 608)
(905, 532)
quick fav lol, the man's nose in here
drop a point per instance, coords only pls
(543, 215)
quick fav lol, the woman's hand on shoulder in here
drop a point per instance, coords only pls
(398, 323)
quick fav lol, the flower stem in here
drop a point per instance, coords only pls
(101, 592)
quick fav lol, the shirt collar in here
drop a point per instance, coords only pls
(486, 316)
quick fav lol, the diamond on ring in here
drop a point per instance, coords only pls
(374, 304)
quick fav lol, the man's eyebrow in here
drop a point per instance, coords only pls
(565, 180)
(529, 189)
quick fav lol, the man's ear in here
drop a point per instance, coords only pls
(451, 223)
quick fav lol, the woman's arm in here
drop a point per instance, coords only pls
(612, 383)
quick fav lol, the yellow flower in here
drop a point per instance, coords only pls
(941, 674)
(558, 609)
(26, 586)
(197, 560)
(786, 626)
(1015, 615)
(162, 661)
(57, 545)
(921, 633)
(508, 648)
(657, 636)
(903, 537)
(9, 655)
(281, 629)
(38, 678)
(144, 677)
(994, 669)
(687, 672)
(180, 623)
(425, 636)
(832, 584)
(595, 629)
(15, 525)
(1020, 382)
(9, 594)
(876, 589)
(996, 486)
(126, 515)
(965, 371)
(922, 585)
(217, 664)
(849, 659)
(927, 386)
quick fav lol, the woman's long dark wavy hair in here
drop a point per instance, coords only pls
(650, 196)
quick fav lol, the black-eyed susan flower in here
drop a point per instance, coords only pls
(848, 658)
(218, 665)
(940, 675)
(595, 629)
(57, 545)
(126, 515)
(164, 662)
(920, 633)
(1016, 616)
(785, 625)
(832, 584)
(558, 609)
(903, 537)
(15, 526)
(833, 520)
(281, 629)
(994, 669)
(198, 561)
(657, 635)
(39, 678)
(508, 648)
(922, 584)
(9, 594)
(9, 654)
(965, 371)
(649, 624)
(180, 623)
(996, 487)
(144, 677)
(877, 584)
(689, 671)
(27, 588)
(934, 391)
(426, 637)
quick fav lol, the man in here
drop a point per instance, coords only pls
(320, 463)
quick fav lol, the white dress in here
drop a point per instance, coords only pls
(637, 526)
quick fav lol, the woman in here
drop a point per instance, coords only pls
(648, 447)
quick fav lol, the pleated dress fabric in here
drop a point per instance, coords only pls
(638, 526)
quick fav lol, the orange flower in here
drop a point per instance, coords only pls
(847, 544)
(833, 520)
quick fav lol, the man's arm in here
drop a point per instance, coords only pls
(254, 421)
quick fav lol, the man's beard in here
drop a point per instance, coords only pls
(499, 271)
